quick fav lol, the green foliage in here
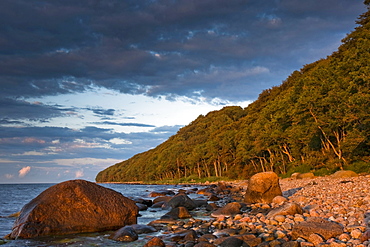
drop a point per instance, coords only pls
(317, 120)
(359, 167)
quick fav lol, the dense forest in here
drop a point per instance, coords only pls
(317, 120)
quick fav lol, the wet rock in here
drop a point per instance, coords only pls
(146, 202)
(158, 205)
(74, 206)
(228, 210)
(181, 200)
(327, 229)
(140, 229)
(262, 188)
(200, 203)
(125, 234)
(142, 207)
(286, 209)
(211, 206)
(155, 242)
(162, 199)
(161, 193)
(177, 213)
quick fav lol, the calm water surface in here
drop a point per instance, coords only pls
(15, 196)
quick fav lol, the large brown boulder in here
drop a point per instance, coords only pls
(73, 207)
(314, 225)
(262, 188)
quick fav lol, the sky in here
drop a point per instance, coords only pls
(87, 84)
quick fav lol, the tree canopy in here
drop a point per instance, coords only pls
(316, 120)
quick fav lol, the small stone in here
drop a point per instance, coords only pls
(336, 244)
(365, 236)
(274, 243)
(286, 226)
(279, 218)
(299, 218)
(313, 213)
(303, 244)
(238, 217)
(356, 233)
(155, 241)
(316, 239)
(125, 234)
(344, 237)
(291, 244)
(280, 234)
(279, 200)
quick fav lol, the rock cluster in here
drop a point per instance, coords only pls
(304, 211)
(318, 211)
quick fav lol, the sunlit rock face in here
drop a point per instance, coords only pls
(73, 207)
(262, 188)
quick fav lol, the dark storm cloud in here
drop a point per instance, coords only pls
(217, 48)
(56, 142)
(13, 110)
(102, 112)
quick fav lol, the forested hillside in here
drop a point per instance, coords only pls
(317, 120)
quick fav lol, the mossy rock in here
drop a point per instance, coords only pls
(305, 175)
(344, 174)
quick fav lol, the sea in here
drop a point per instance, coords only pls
(15, 196)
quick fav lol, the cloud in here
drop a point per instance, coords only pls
(79, 174)
(145, 47)
(13, 110)
(24, 171)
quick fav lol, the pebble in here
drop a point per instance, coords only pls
(347, 203)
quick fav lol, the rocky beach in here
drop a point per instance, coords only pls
(312, 211)
(265, 210)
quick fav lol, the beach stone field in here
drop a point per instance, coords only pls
(310, 211)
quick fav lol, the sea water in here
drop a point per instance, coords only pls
(15, 196)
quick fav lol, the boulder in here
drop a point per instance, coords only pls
(286, 209)
(74, 206)
(262, 188)
(161, 199)
(229, 209)
(344, 174)
(161, 193)
(177, 213)
(140, 229)
(125, 234)
(181, 200)
(305, 175)
(315, 225)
